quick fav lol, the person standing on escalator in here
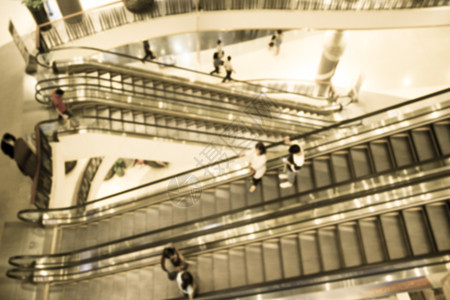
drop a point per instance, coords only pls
(148, 51)
(293, 163)
(178, 263)
(257, 163)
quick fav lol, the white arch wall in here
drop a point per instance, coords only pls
(181, 157)
(260, 19)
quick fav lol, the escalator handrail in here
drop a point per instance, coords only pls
(345, 122)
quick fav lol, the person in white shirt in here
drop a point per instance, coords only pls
(229, 69)
(257, 163)
(186, 285)
(294, 163)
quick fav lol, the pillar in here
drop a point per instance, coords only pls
(69, 7)
(333, 49)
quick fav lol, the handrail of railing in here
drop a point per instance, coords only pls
(103, 21)
(219, 162)
(192, 71)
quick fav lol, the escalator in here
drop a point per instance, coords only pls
(356, 163)
(307, 248)
(353, 168)
(118, 85)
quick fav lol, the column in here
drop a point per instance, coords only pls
(333, 49)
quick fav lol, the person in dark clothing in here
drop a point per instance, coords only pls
(19, 150)
(148, 51)
(293, 162)
(217, 63)
(177, 260)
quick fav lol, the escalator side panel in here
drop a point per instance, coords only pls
(361, 161)
(341, 166)
(424, 144)
(401, 146)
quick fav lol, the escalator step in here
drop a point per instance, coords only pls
(195, 211)
(208, 202)
(140, 222)
(127, 224)
(442, 131)
(254, 263)
(223, 199)
(381, 155)
(160, 283)
(350, 244)
(309, 253)
(221, 271)
(272, 260)
(270, 187)
(322, 171)
(152, 218)
(205, 269)
(438, 215)
(424, 144)
(179, 214)
(165, 215)
(256, 196)
(372, 240)
(329, 248)
(291, 256)
(107, 288)
(417, 231)
(402, 150)
(238, 193)
(238, 276)
(146, 290)
(394, 235)
(305, 179)
(133, 285)
(361, 162)
(340, 163)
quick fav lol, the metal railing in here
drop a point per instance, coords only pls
(114, 15)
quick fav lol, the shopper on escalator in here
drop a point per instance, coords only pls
(178, 263)
(293, 163)
(148, 51)
(186, 284)
(257, 163)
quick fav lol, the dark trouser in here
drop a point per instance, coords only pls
(147, 54)
(256, 181)
(216, 70)
(227, 77)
